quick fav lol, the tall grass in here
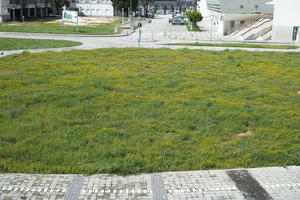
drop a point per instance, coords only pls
(140, 110)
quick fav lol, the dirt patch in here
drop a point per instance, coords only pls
(88, 21)
(298, 92)
(243, 134)
(7, 71)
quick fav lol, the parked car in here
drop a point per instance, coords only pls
(172, 18)
(178, 21)
(151, 15)
(169, 12)
(160, 11)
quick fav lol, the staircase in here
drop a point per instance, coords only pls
(240, 27)
(258, 28)
(264, 34)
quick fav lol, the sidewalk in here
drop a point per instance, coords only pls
(278, 183)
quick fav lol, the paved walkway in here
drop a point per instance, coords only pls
(154, 35)
(272, 183)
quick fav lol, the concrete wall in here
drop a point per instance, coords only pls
(287, 13)
(249, 6)
(286, 16)
(223, 22)
(284, 34)
(202, 7)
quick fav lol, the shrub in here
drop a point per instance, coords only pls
(194, 16)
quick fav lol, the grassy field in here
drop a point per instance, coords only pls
(13, 44)
(56, 28)
(264, 46)
(132, 110)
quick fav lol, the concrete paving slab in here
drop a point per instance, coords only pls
(271, 183)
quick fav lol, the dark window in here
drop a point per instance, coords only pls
(232, 24)
(295, 32)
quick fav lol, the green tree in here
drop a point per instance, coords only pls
(194, 16)
(119, 4)
(58, 4)
(146, 4)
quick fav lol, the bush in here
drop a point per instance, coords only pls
(194, 16)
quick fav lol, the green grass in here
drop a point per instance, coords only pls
(264, 46)
(14, 44)
(140, 110)
(56, 28)
(195, 28)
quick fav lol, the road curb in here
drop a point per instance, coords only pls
(69, 35)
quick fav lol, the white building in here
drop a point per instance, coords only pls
(286, 21)
(4, 10)
(93, 7)
(16, 9)
(228, 13)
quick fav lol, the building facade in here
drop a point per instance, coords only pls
(286, 21)
(226, 14)
(93, 7)
(23, 9)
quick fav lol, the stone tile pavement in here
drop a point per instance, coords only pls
(272, 183)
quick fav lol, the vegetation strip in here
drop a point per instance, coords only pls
(56, 28)
(131, 110)
(15, 44)
(263, 46)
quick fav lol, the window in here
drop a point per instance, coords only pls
(295, 32)
(232, 24)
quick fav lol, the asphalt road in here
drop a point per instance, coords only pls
(154, 34)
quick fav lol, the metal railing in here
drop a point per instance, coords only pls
(247, 23)
(255, 27)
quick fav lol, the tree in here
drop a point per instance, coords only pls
(194, 16)
(165, 9)
(58, 4)
(146, 4)
(241, 7)
(119, 4)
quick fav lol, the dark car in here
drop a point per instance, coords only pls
(150, 15)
